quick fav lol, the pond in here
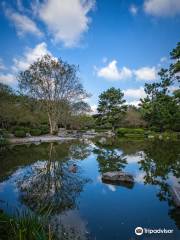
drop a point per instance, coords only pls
(38, 177)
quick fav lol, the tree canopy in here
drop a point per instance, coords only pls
(111, 107)
(161, 108)
(52, 81)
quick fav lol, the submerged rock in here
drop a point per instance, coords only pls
(117, 177)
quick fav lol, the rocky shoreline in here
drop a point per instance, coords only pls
(39, 139)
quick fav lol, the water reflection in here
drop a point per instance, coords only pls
(161, 160)
(50, 184)
(109, 159)
(43, 179)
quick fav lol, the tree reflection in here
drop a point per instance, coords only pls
(80, 151)
(50, 184)
(109, 159)
(174, 213)
(161, 161)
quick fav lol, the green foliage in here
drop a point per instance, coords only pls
(111, 107)
(23, 227)
(44, 129)
(133, 118)
(35, 132)
(167, 135)
(175, 55)
(82, 121)
(161, 108)
(52, 81)
(134, 135)
(3, 137)
(20, 128)
(131, 131)
(20, 133)
(18, 110)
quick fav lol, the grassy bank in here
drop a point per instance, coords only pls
(140, 133)
(23, 227)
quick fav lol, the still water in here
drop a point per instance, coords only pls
(38, 177)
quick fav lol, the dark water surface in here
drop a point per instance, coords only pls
(36, 177)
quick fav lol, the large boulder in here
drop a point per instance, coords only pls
(117, 177)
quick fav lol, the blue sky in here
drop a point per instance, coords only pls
(120, 43)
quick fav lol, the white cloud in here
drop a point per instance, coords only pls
(163, 59)
(139, 178)
(23, 24)
(66, 20)
(7, 79)
(94, 109)
(134, 103)
(172, 89)
(111, 187)
(135, 93)
(2, 66)
(29, 56)
(22, 63)
(112, 72)
(133, 9)
(162, 8)
(146, 73)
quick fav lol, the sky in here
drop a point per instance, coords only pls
(116, 43)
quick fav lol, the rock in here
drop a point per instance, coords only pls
(91, 132)
(150, 136)
(28, 135)
(102, 140)
(110, 133)
(62, 132)
(117, 177)
(175, 190)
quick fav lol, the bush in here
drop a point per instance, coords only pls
(20, 133)
(35, 132)
(44, 129)
(168, 136)
(18, 128)
(124, 131)
(135, 136)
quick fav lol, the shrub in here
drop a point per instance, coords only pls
(132, 135)
(124, 131)
(44, 129)
(35, 132)
(20, 133)
(169, 136)
(18, 128)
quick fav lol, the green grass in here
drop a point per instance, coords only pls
(121, 132)
(24, 226)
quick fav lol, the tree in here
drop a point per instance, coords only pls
(175, 55)
(133, 118)
(19, 110)
(73, 115)
(52, 81)
(111, 107)
(161, 108)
